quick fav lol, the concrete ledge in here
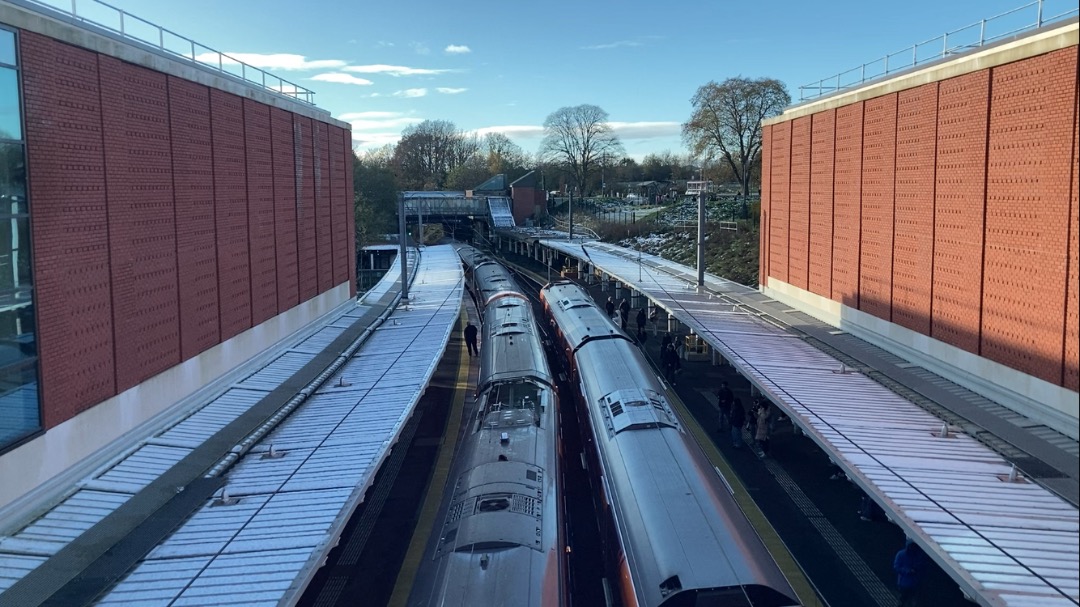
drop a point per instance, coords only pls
(1038, 42)
(50, 464)
(139, 53)
(1037, 399)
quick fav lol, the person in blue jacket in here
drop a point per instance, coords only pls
(908, 565)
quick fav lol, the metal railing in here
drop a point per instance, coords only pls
(131, 27)
(1030, 16)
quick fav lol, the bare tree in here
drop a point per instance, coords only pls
(429, 151)
(576, 137)
(726, 122)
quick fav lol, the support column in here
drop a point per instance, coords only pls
(605, 282)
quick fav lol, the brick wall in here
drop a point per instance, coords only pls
(163, 217)
(764, 233)
(72, 284)
(822, 142)
(282, 133)
(231, 207)
(142, 225)
(779, 200)
(196, 241)
(954, 210)
(323, 237)
(258, 152)
(1071, 371)
(913, 241)
(304, 156)
(878, 181)
(959, 196)
(350, 245)
(799, 211)
(1032, 109)
(847, 204)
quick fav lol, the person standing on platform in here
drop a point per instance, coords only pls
(624, 313)
(641, 320)
(669, 359)
(609, 305)
(668, 339)
(761, 434)
(470, 338)
(908, 565)
(737, 419)
(724, 398)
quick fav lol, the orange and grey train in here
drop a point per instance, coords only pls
(673, 533)
(501, 539)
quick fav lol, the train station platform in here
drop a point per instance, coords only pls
(239, 500)
(991, 499)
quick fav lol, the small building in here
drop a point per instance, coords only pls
(529, 198)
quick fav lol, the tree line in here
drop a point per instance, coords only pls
(579, 152)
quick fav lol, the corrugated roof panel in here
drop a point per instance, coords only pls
(204, 423)
(144, 465)
(320, 340)
(277, 372)
(14, 566)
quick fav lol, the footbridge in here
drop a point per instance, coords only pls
(458, 207)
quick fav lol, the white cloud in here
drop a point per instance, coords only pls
(392, 70)
(411, 93)
(518, 131)
(625, 130)
(367, 115)
(420, 48)
(646, 130)
(341, 78)
(445, 90)
(272, 61)
(374, 140)
(388, 123)
(609, 45)
(378, 120)
(457, 49)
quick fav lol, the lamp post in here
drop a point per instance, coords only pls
(570, 218)
(701, 239)
(404, 249)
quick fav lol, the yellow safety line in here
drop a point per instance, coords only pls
(426, 523)
(776, 547)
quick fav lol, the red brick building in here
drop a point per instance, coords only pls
(182, 220)
(935, 213)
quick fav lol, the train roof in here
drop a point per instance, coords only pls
(579, 318)
(511, 346)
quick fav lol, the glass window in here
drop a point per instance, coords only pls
(10, 126)
(12, 179)
(7, 47)
(14, 253)
(18, 401)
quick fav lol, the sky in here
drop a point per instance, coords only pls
(504, 66)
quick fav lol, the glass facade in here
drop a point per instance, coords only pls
(20, 414)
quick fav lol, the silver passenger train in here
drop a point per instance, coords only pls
(673, 533)
(501, 538)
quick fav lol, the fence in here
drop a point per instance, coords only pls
(1027, 17)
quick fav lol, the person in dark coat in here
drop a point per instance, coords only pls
(668, 339)
(470, 338)
(641, 319)
(609, 305)
(724, 398)
(669, 358)
(908, 565)
(737, 419)
(624, 313)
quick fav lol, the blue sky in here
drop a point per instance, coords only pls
(505, 65)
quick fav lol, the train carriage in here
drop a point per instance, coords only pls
(678, 535)
(500, 540)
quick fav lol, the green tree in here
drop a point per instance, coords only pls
(726, 122)
(375, 192)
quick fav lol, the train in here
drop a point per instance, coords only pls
(672, 531)
(502, 540)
